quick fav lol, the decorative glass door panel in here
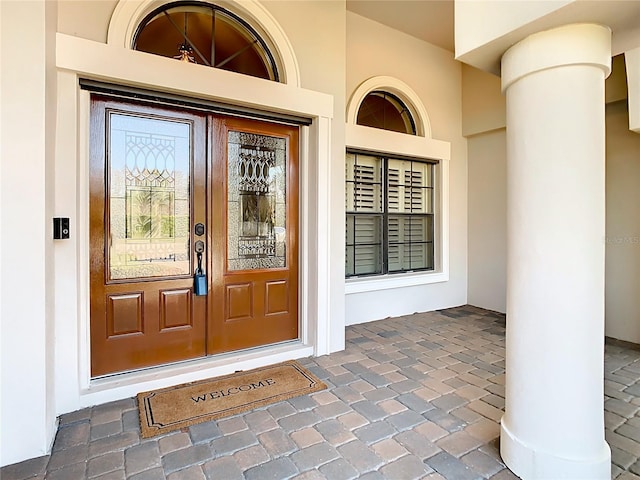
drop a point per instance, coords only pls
(256, 208)
(149, 197)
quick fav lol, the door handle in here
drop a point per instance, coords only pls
(200, 286)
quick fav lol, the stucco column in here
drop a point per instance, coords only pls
(553, 425)
(27, 150)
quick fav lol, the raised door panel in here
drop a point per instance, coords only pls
(238, 302)
(176, 309)
(125, 314)
(276, 297)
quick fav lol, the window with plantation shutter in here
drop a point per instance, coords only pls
(364, 217)
(390, 217)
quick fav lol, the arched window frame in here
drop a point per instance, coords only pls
(242, 26)
(128, 15)
(398, 88)
(393, 101)
(419, 146)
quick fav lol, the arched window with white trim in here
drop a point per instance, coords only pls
(396, 180)
(382, 109)
(207, 34)
(242, 35)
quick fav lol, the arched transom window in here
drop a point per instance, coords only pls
(206, 34)
(381, 109)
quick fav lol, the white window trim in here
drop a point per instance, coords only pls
(397, 280)
(419, 146)
(400, 89)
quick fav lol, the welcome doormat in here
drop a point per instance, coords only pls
(176, 407)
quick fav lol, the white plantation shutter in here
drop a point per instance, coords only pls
(412, 196)
(393, 190)
(364, 229)
(407, 237)
(408, 217)
(395, 251)
(364, 189)
(364, 184)
(368, 238)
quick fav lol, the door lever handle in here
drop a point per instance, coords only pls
(199, 278)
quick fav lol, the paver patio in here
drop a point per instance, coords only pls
(413, 397)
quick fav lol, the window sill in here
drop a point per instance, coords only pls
(385, 282)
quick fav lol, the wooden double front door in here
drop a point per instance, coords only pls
(175, 193)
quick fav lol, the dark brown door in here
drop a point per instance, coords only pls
(163, 183)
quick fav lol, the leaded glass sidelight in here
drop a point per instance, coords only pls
(149, 198)
(256, 201)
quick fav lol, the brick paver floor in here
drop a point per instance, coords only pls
(413, 397)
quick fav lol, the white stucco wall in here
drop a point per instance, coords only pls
(483, 104)
(483, 122)
(488, 220)
(632, 58)
(84, 19)
(27, 126)
(374, 50)
(622, 302)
